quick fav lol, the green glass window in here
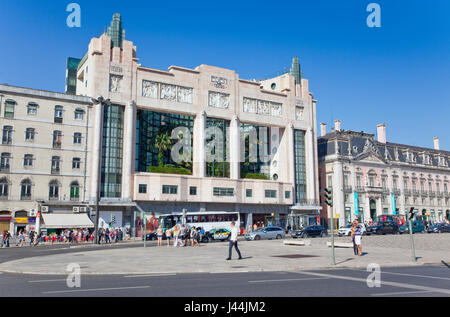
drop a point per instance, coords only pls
(154, 143)
(193, 191)
(287, 194)
(256, 145)
(219, 167)
(74, 190)
(271, 194)
(112, 153)
(300, 166)
(169, 190)
(9, 109)
(218, 191)
(249, 193)
(142, 189)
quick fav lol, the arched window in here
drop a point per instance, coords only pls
(5, 162)
(54, 190)
(32, 108)
(25, 189)
(4, 188)
(74, 191)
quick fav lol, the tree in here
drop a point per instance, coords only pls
(162, 143)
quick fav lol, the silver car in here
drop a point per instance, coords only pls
(266, 233)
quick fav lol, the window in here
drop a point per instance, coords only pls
(9, 109)
(4, 186)
(77, 138)
(57, 139)
(32, 109)
(142, 189)
(29, 134)
(7, 134)
(74, 191)
(59, 110)
(4, 162)
(249, 193)
(25, 190)
(54, 190)
(56, 162)
(170, 190)
(76, 163)
(271, 194)
(193, 191)
(217, 191)
(79, 114)
(287, 194)
(28, 160)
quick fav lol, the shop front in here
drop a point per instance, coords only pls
(56, 223)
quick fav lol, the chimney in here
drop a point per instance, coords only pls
(436, 144)
(381, 132)
(337, 124)
(323, 129)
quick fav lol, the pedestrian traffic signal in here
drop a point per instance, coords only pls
(412, 213)
(328, 197)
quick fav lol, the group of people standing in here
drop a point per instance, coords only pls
(109, 235)
(182, 235)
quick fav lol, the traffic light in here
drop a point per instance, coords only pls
(411, 213)
(328, 197)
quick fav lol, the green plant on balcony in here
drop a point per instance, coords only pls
(162, 143)
(255, 176)
(169, 169)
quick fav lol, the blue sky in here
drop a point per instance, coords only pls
(397, 74)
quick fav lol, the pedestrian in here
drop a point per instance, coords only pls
(168, 236)
(159, 235)
(192, 235)
(176, 235)
(355, 247)
(358, 237)
(107, 233)
(255, 227)
(183, 235)
(196, 236)
(233, 242)
(7, 238)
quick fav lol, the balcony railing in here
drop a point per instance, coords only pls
(25, 198)
(56, 171)
(447, 194)
(348, 189)
(407, 192)
(53, 198)
(439, 194)
(396, 192)
(360, 189)
(424, 193)
(5, 169)
(74, 198)
(3, 197)
(416, 192)
(56, 145)
(386, 191)
(6, 141)
(432, 194)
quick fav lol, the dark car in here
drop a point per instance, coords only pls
(152, 236)
(383, 228)
(311, 231)
(417, 227)
(439, 228)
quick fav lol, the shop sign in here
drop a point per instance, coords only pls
(32, 220)
(21, 220)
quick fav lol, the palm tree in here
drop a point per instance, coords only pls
(162, 143)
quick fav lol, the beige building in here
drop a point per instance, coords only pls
(145, 103)
(44, 155)
(371, 177)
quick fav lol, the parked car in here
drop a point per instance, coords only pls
(439, 228)
(152, 236)
(218, 234)
(311, 231)
(417, 227)
(347, 230)
(383, 228)
(266, 233)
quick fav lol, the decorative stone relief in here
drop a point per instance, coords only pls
(185, 94)
(149, 89)
(219, 100)
(276, 109)
(114, 83)
(168, 92)
(263, 107)
(249, 105)
(299, 113)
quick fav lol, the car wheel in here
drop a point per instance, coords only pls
(257, 238)
(279, 237)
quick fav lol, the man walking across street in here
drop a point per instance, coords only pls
(233, 242)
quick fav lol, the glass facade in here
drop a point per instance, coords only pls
(218, 167)
(149, 126)
(112, 153)
(300, 166)
(256, 149)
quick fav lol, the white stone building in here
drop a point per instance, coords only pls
(372, 177)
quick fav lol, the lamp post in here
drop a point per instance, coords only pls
(102, 102)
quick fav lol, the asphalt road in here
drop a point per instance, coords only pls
(428, 281)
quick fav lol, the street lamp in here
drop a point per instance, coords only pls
(102, 102)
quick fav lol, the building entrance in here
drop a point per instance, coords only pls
(373, 209)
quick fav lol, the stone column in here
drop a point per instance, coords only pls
(96, 151)
(128, 149)
(199, 166)
(235, 148)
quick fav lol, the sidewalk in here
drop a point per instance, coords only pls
(210, 258)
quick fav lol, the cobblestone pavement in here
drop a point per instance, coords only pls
(272, 255)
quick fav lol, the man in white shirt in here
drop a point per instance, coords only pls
(233, 242)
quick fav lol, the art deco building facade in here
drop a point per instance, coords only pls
(268, 154)
(372, 177)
